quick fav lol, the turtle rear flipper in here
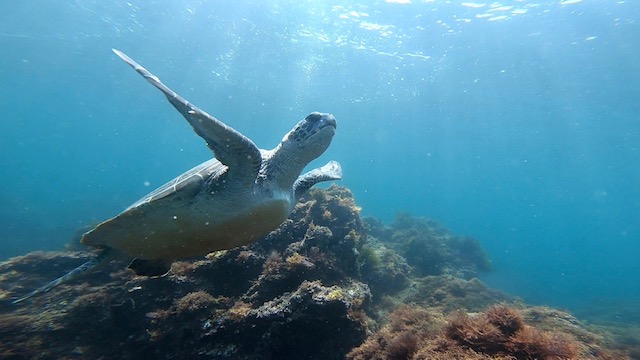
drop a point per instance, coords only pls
(92, 265)
(151, 267)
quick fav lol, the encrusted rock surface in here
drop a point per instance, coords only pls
(294, 294)
(318, 287)
(499, 332)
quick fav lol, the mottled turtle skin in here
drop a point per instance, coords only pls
(231, 200)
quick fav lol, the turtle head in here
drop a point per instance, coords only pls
(310, 137)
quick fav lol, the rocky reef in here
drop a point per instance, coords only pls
(325, 285)
(499, 332)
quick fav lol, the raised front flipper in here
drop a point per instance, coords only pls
(331, 171)
(229, 146)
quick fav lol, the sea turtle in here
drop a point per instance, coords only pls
(231, 200)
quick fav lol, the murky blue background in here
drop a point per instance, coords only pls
(517, 123)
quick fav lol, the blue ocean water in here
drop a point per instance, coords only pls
(514, 122)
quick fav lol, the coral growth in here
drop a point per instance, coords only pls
(430, 248)
(449, 293)
(382, 268)
(314, 288)
(195, 301)
(295, 293)
(500, 332)
(407, 329)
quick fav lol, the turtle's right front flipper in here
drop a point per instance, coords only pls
(94, 264)
(229, 146)
(330, 171)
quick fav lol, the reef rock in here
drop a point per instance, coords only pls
(500, 332)
(318, 287)
(430, 248)
(294, 294)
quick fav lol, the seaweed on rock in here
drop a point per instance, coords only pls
(430, 248)
(315, 288)
(500, 332)
(449, 293)
(295, 293)
(382, 268)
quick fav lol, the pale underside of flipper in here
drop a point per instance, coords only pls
(94, 264)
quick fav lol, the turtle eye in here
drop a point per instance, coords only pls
(314, 117)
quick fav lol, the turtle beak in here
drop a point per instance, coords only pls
(328, 120)
(322, 121)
